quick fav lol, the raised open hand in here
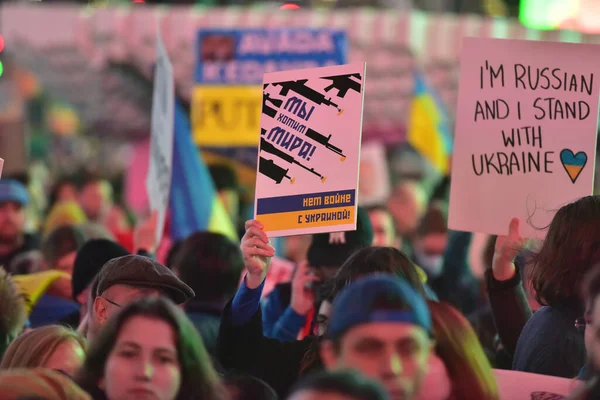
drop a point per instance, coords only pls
(257, 252)
(507, 248)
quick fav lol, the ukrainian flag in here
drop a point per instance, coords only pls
(428, 131)
(194, 204)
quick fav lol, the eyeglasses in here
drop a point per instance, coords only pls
(112, 302)
(580, 324)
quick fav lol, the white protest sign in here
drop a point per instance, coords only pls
(1, 166)
(517, 385)
(158, 181)
(525, 137)
(309, 150)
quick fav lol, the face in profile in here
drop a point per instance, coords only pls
(394, 354)
(144, 363)
(67, 358)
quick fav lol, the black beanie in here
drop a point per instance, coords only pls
(90, 260)
(323, 253)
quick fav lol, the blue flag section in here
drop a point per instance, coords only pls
(239, 57)
(194, 204)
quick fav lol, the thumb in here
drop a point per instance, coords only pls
(513, 229)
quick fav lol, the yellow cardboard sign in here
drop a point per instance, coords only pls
(226, 116)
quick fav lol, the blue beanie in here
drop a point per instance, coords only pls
(13, 191)
(355, 305)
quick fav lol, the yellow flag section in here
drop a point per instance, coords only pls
(220, 222)
(224, 116)
(33, 286)
(427, 127)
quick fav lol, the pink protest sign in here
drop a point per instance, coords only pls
(309, 150)
(525, 138)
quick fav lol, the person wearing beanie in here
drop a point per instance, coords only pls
(14, 242)
(381, 327)
(289, 310)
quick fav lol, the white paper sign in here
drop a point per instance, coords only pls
(158, 181)
(517, 385)
(1, 166)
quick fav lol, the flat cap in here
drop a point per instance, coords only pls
(140, 271)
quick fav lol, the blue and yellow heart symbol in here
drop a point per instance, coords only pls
(573, 163)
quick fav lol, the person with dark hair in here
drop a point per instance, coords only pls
(14, 242)
(90, 259)
(246, 387)
(590, 325)
(151, 349)
(64, 190)
(13, 312)
(288, 312)
(550, 343)
(211, 264)
(339, 385)
(172, 253)
(430, 241)
(590, 390)
(381, 327)
(59, 250)
(242, 346)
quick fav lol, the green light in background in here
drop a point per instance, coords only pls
(1, 68)
(547, 14)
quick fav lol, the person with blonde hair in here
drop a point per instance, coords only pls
(54, 347)
(38, 383)
(13, 312)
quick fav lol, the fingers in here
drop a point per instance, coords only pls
(255, 241)
(261, 252)
(258, 243)
(513, 228)
(255, 232)
(253, 223)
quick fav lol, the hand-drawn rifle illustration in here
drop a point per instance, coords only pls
(343, 83)
(300, 88)
(324, 140)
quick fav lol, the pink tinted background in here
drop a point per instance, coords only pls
(486, 203)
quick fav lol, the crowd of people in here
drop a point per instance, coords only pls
(91, 308)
